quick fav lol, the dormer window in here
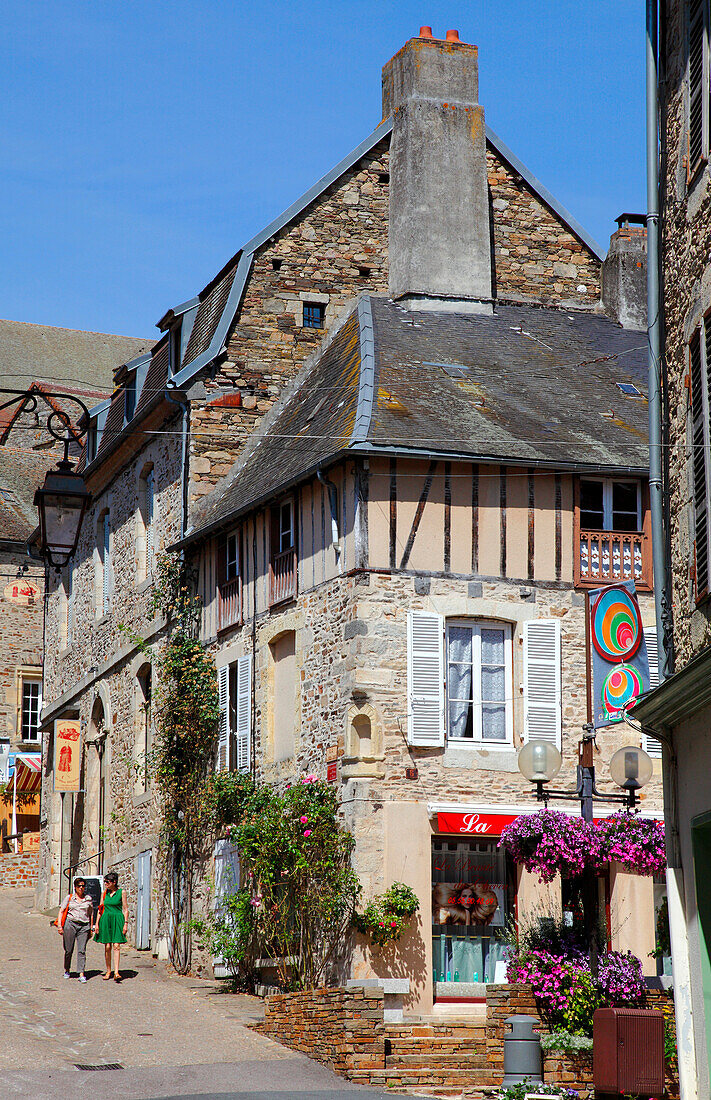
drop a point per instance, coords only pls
(175, 347)
(91, 437)
(130, 406)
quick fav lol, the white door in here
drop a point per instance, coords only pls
(143, 900)
(227, 881)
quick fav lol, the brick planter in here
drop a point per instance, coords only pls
(19, 870)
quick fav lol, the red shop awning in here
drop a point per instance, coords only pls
(27, 775)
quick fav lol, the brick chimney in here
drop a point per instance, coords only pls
(439, 236)
(624, 273)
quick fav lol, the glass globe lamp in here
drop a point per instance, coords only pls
(631, 768)
(539, 761)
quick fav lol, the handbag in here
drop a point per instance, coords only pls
(63, 915)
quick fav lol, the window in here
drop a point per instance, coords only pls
(231, 557)
(476, 691)
(283, 553)
(607, 505)
(479, 682)
(130, 402)
(91, 440)
(30, 713)
(699, 361)
(234, 683)
(144, 734)
(229, 582)
(698, 122)
(314, 315)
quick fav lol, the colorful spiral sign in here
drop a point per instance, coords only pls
(619, 655)
(616, 626)
(621, 688)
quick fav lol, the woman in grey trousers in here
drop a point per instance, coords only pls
(77, 926)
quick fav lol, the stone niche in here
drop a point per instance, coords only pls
(364, 756)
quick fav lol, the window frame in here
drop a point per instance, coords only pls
(478, 741)
(316, 308)
(26, 680)
(607, 510)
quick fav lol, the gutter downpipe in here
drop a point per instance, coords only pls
(662, 603)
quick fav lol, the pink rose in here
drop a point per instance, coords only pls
(303, 819)
(307, 832)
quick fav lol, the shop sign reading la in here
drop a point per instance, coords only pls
(22, 592)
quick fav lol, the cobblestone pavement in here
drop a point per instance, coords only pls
(173, 1036)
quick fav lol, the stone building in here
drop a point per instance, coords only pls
(358, 312)
(680, 710)
(42, 360)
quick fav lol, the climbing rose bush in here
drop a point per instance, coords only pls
(550, 842)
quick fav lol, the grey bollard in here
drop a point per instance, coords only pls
(522, 1051)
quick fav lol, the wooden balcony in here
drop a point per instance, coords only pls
(605, 557)
(282, 577)
(230, 610)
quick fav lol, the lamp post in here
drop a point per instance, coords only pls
(63, 499)
(630, 768)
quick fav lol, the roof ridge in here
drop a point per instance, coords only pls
(85, 331)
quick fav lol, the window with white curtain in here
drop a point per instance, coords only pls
(479, 682)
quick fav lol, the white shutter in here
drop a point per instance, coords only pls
(70, 603)
(106, 580)
(223, 696)
(149, 522)
(651, 744)
(425, 678)
(244, 712)
(542, 681)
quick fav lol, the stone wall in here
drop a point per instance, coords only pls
(21, 649)
(19, 870)
(686, 245)
(336, 249)
(341, 1028)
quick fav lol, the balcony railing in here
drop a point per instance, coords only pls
(230, 611)
(283, 577)
(604, 557)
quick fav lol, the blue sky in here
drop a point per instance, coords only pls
(145, 141)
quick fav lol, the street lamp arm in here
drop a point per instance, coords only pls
(58, 422)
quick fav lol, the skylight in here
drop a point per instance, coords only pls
(628, 389)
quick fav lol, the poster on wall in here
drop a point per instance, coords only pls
(67, 754)
(620, 666)
(468, 903)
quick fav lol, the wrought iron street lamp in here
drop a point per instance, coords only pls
(630, 769)
(63, 499)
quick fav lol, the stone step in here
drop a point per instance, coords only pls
(457, 1060)
(436, 1042)
(415, 1031)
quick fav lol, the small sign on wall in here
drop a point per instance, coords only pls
(21, 592)
(67, 754)
(332, 771)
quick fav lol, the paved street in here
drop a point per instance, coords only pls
(170, 1036)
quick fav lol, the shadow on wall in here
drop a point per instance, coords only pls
(404, 959)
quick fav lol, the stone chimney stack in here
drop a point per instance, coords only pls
(624, 273)
(439, 237)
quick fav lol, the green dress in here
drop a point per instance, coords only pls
(112, 920)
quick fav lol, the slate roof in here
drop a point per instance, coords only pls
(79, 362)
(524, 385)
(60, 359)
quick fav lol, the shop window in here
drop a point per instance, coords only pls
(283, 656)
(234, 683)
(30, 707)
(473, 896)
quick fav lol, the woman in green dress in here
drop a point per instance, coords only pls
(111, 924)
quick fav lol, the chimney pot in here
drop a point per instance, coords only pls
(452, 36)
(426, 32)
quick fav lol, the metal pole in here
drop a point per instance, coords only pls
(586, 785)
(662, 606)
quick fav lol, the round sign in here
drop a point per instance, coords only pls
(22, 591)
(616, 626)
(621, 688)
